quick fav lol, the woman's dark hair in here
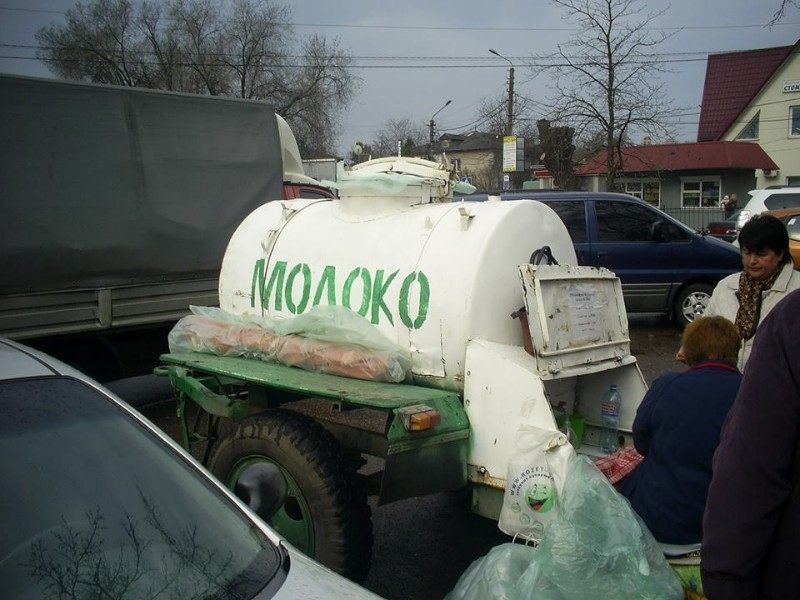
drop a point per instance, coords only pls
(765, 232)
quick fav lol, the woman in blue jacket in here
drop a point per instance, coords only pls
(677, 428)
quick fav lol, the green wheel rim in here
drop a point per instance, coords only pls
(293, 519)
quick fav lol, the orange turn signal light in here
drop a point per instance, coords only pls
(419, 417)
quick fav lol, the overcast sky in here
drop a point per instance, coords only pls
(415, 55)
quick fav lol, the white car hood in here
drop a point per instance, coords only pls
(309, 580)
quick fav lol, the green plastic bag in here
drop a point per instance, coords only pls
(598, 548)
(495, 575)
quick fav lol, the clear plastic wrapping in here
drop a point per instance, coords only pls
(597, 548)
(327, 339)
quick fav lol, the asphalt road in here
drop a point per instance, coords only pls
(423, 545)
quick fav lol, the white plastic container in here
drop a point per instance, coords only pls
(430, 274)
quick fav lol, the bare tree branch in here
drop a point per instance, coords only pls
(243, 48)
(404, 131)
(781, 12)
(606, 77)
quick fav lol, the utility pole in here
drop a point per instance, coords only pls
(513, 176)
(431, 126)
(510, 107)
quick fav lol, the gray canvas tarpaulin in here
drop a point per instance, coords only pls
(108, 186)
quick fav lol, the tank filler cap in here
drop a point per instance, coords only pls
(385, 185)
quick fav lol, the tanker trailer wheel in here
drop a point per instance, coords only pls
(691, 302)
(325, 513)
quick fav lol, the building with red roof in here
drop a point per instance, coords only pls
(733, 81)
(748, 137)
(764, 108)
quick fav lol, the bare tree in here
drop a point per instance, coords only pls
(254, 42)
(321, 86)
(96, 43)
(168, 73)
(492, 114)
(558, 152)
(243, 48)
(492, 118)
(198, 33)
(779, 14)
(607, 76)
(405, 131)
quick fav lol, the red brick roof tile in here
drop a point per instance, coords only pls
(732, 80)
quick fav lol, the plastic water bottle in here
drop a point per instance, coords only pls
(609, 418)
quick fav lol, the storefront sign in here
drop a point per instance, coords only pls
(791, 86)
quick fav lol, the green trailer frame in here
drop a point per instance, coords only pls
(416, 463)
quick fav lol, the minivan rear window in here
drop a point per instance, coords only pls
(573, 213)
(627, 222)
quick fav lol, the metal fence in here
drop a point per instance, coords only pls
(696, 218)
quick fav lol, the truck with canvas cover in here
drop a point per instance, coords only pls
(495, 336)
(118, 204)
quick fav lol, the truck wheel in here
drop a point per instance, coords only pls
(691, 302)
(325, 513)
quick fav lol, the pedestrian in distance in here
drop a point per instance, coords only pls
(729, 204)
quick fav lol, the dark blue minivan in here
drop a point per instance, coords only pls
(664, 266)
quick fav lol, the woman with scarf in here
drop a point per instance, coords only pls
(768, 276)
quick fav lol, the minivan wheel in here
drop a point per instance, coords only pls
(691, 302)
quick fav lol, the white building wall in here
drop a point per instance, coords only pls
(774, 101)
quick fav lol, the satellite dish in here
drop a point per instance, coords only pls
(358, 149)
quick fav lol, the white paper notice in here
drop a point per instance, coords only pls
(585, 322)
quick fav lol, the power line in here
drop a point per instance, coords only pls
(648, 57)
(529, 62)
(528, 29)
(471, 28)
(353, 66)
(32, 10)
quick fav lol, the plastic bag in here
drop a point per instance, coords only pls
(339, 325)
(494, 575)
(597, 548)
(391, 182)
(328, 339)
(535, 477)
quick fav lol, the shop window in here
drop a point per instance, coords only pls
(649, 191)
(700, 193)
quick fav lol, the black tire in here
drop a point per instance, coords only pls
(325, 514)
(691, 302)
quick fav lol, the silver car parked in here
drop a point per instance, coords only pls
(98, 503)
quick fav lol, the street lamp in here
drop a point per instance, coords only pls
(510, 107)
(431, 125)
